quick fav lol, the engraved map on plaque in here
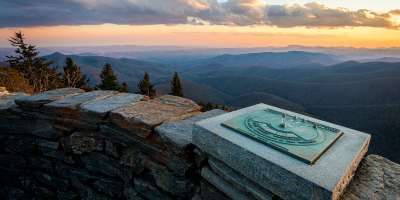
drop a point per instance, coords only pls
(300, 138)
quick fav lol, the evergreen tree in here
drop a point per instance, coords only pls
(176, 87)
(223, 107)
(145, 87)
(209, 106)
(124, 87)
(33, 68)
(72, 76)
(108, 79)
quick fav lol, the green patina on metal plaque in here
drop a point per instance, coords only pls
(297, 137)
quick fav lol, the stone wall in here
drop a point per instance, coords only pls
(68, 144)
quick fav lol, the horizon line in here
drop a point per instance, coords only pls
(209, 47)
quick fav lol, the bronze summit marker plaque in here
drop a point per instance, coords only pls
(300, 138)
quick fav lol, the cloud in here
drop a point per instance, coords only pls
(317, 15)
(22, 13)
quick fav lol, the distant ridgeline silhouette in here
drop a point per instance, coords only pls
(71, 144)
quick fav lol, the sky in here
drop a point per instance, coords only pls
(205, 23)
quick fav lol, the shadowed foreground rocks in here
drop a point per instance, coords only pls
(68, 144)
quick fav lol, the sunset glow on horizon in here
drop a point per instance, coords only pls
(205, 36)
(228, 23)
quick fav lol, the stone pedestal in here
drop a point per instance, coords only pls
(274, 170)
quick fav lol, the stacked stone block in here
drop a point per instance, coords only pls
(71, 144)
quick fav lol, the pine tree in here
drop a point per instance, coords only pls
(72, 76)
(176, 87)
(209, 106)
(124, 87)
(33, 67)
(223, 107)
(145, 87)
(108, 79)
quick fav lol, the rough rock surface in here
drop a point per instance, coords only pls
(210, 192)
(143, 117)
(102, 106)
(79, 143)
(377, 178)
(40, 99)
(223, 185)
(238, 181)
(3, 91)
(72, 103)
(178, 134)
(8, 100)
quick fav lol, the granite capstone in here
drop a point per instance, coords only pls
(38, 100)
(73, 102)
(7, 101)
(178, 134)
(142, 117)
(105, 105)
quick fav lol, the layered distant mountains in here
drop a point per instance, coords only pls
(128, 70)
(276, 60)
(361, 95)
